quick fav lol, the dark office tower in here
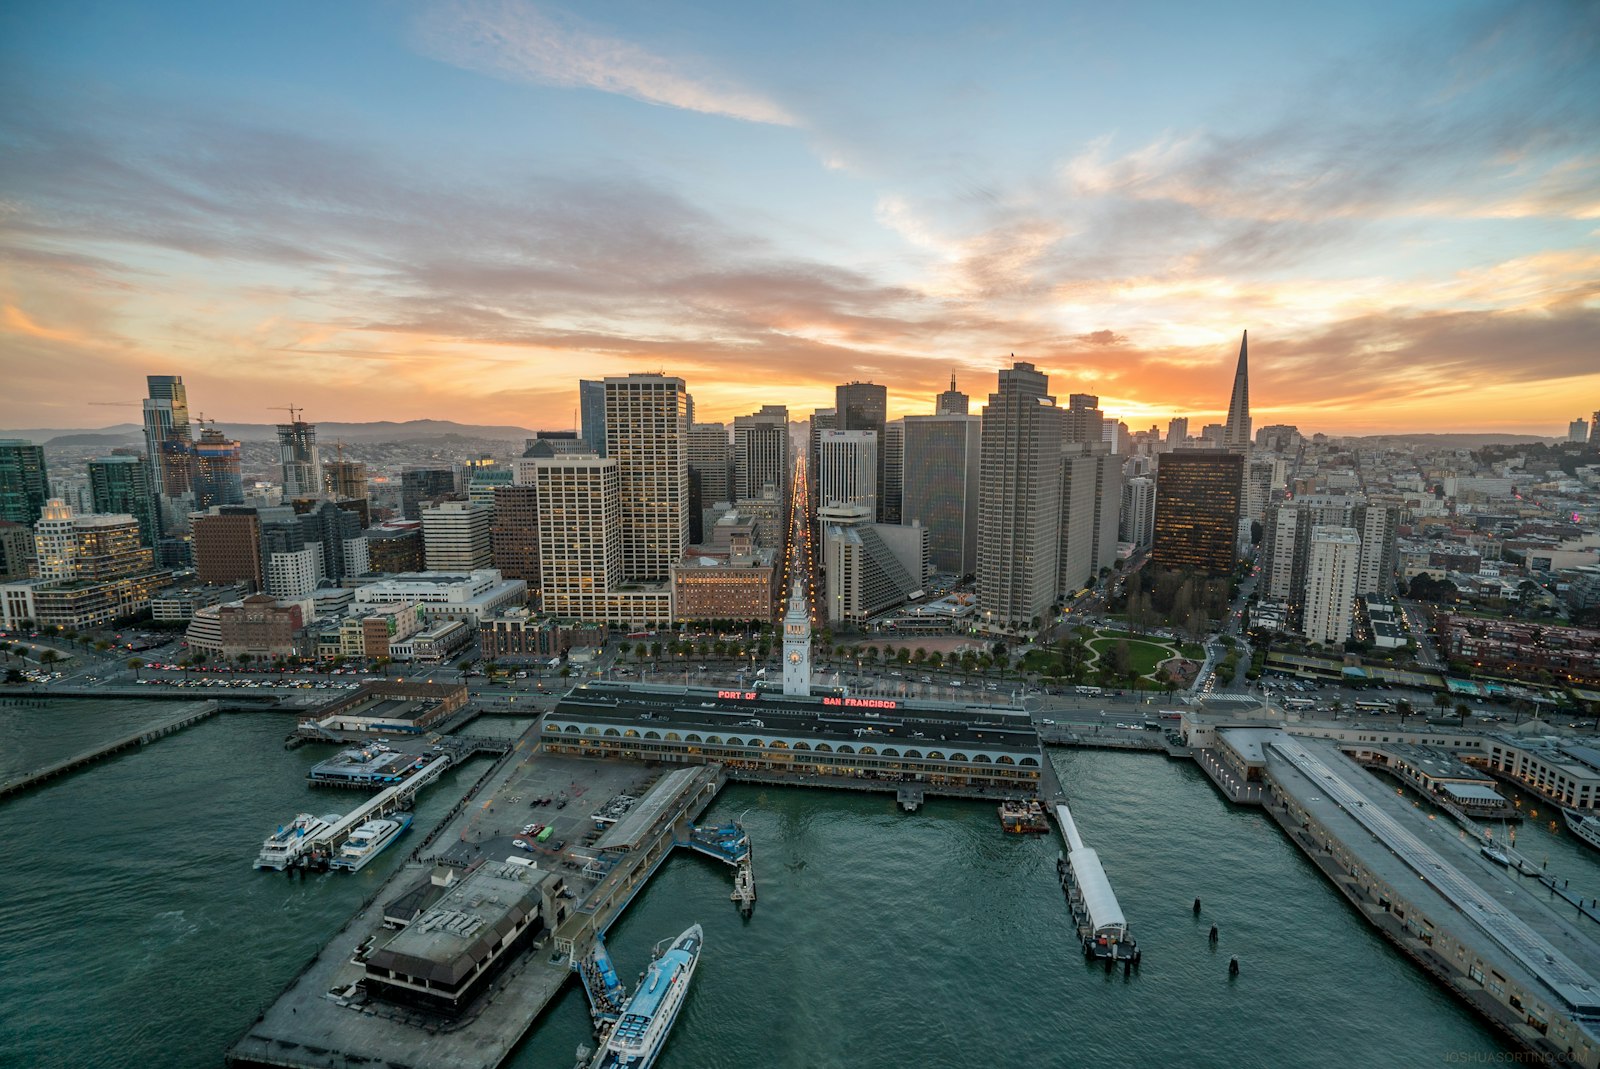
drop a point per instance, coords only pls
(24, 483)
(122, 484)
(332, 527)
(952, 402)
(1237, 433)
(1197, 510)
(514, 535)
(227, 546)
(761, 452)
(709, 467)
(16, 549)
(823, 419)
(863, 406)
(395, 548)
(592, 413)
(1019, 501)
(217, 478)
(424, 484)
(302, 464)
(1083, 419)
(166, 434)
(892, 457)
(940, 487)
(345, 480)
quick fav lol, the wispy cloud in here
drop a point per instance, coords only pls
(521, 42)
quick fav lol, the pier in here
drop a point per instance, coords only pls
(191, 714)
(344, 1009)
(1102, 928)
(1528, 964)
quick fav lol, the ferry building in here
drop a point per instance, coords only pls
(875, 743)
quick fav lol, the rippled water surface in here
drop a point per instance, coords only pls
(134, 932)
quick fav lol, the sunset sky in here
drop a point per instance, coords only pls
(382, 210)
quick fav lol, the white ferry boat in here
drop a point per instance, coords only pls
(368, 841)
(635, 1041)
(1586, 828)
(283, 847)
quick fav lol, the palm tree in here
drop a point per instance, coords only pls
(135, 663)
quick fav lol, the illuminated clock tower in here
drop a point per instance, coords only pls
(797, 647)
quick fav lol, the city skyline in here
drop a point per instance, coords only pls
(440, 212)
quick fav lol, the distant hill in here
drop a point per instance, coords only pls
(415, 430)
(1461, 441)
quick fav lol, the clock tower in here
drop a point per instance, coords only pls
(797, 647)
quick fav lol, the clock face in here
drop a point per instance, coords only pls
(794, 658)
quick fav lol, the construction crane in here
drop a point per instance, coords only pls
(294, 413)
(201, 419)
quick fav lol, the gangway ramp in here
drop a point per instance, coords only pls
(320, 848)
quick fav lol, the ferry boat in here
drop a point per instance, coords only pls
(368, 841)
(1584, 827)
(1022, 817)
(635, 1041)
(283, 847)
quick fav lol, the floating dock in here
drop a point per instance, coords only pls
(1102, 928)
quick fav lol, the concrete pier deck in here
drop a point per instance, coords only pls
(192, 713)
(309, 1027)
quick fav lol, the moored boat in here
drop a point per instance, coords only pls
(283, 847)
(1023, 817)
(1584, 826)
(637, 1037)
(369, 840)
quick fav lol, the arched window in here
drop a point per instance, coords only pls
(800, 745)
(981, 759)
(823, 747)
(914, 754)
(712, 740)
(735, 742)
(847, 749)
(652, 734)
(672, 736)
(692, 738)
(1005, 759)
(869, 750)
(958, 757)
(935, 755)
(1029, 762)
(592, 731)
(614, 731)
(891, 753)
(572, 729)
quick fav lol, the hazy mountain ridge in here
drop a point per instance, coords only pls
(381, 431)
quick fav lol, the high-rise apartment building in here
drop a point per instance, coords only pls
(849, 471)
(823, 419)
(297, 452)
(1377, 526)
(1237, 433)
(1578, 430)
(419, 484)
(1138, 510)
(217, 472)
(167, 434)
(646, 435)
(952, 402)
(592, 413)
(72, 548)
(345, 480)
(864, 406)
(1075, 560)
(941, 487)
(710, 473)
(761, 452)
(1107, 510)
(578, 498)
(455, 537)
(338, 532)
(24, 482)
(1197, 510)
(16, 550)
(1019, 501)
(1178, 432)
(120, 484)
(1333, 563)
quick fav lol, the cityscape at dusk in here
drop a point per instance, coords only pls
(403, 211)
(681, 535)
